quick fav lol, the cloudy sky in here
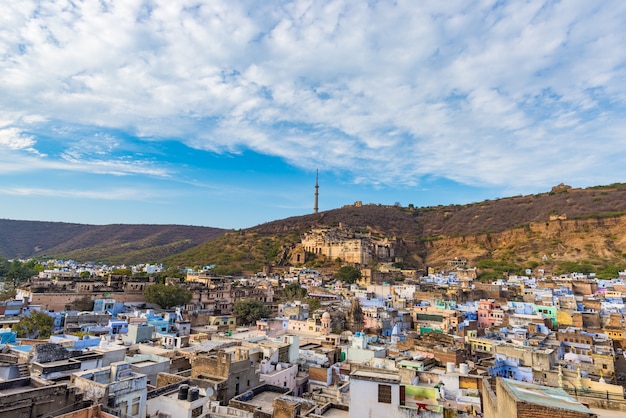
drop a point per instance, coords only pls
(219, 113)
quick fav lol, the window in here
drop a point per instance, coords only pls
(196, 412)
(384, 394)
(123, 409)
(134, 411)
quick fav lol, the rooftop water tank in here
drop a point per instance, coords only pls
(450, 367)
(194, 394)
(183, 391)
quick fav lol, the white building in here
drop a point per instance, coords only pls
(186, 402)
(116, 386)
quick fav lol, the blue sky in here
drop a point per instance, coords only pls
(218, 113)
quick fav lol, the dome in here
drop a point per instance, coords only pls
(325, 315)
(572, 358)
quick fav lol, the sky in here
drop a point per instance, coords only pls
(219, 113)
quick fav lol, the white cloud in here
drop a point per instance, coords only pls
(106, 194)
(494, 93)
(15, 139)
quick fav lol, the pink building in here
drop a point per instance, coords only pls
(489, 313)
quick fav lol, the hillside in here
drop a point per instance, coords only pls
(585, 226)
(99, 243)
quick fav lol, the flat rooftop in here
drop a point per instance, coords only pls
(544, 395)
(264, 400)
(375, 375)
(336, 413)
(144, 363)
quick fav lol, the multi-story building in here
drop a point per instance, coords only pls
(116, 386)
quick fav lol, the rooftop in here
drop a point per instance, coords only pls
(264, 401)
(375, 375)
(336, 413)
(544, 395)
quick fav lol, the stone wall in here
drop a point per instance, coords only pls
(58, 301)
(217, 365)
(527, 410)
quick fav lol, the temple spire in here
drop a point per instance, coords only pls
(317, 192)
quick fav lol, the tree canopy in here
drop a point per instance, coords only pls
(294, 291)
(314, 304)
(348, 274)
(35, 325)
(250, 310)
(167, 296)
(17, 271)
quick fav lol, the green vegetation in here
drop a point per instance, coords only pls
(167, 296)
(236, 252)
(250, 310)
(497, 269)
(35, 325)
(8, 291)
(293, 291)
(17, 271)
(314, 304)
(610, 186)
(602, 269)
(348, 274)
(83, 304)
(600, 215)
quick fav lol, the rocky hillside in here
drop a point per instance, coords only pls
(99, 243)
(583, 226)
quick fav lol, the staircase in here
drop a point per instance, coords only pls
(23, 369)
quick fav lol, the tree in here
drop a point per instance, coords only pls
(314, 304)
(35, 325)
(8, 292)
(250, 310)
(83, 304)
(348, 274)
(294, 291)
(17, 271)
(167, 296)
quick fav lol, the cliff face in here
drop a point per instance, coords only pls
(545, 242)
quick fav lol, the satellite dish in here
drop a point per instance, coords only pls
(209, 392)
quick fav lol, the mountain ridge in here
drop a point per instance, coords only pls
(127, 243)
(564, 224)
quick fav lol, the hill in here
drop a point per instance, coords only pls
(563, 229)
(585, 227)
(99, 243)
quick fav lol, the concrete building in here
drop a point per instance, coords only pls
(149, 364)
(377, 393)
(510, 398)
(34, 397)
(138, 333)
(179, 401)
(281, 375)
(117, 386)
(229, 372)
